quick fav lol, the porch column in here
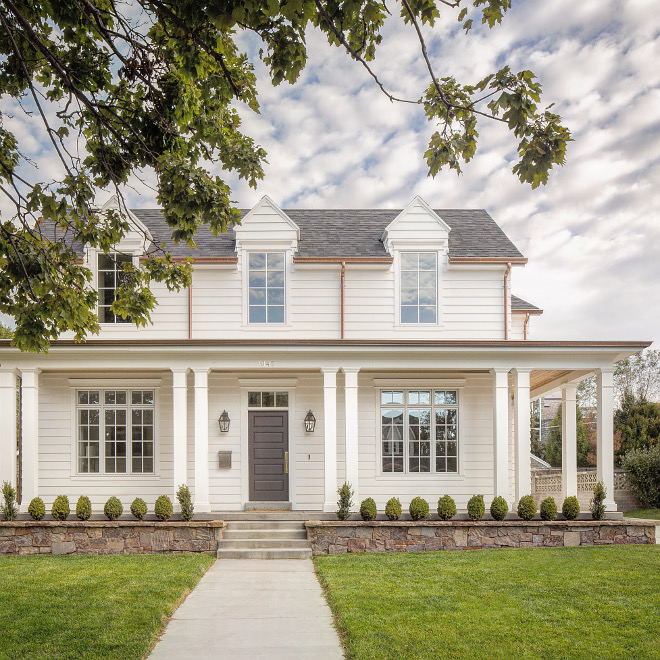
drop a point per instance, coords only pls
(30, 436)
(202, 504)
(351, 405)
(179, 428)
(523, 477)
(330, 438)
(568, 441)
(605, 434)
(8, 426)
(501, 432)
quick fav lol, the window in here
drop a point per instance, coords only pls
(419, 273)
(268, 399)
(419, 430)
(266, 287)
(115, 431)
(110, 276)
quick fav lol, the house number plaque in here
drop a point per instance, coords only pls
(266, 363)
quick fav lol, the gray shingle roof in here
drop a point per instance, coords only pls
(522, 305)
(349, 233)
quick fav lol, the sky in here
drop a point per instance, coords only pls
(591, 235)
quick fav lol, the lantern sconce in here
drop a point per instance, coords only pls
(224, 422)
(310, 422)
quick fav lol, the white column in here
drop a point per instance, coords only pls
(202, 504)
(8, 426)
(501, 432)
(330, 438)
(521, 413)
(568, 441)
(179, 427)
(351, 404)
(605, 434)
(30, 436)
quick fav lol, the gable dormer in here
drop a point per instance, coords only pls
(266, 226)
(138, 238)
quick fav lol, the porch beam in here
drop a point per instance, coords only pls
(30, 438)
(202, 504)
(351, 406)
(605, 433)
(569, 440)
(8, 426)
(521, 399)
(330, 438)
(179, 428)
(501, 432)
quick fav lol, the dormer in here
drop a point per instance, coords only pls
(267, 227)
(138, 238)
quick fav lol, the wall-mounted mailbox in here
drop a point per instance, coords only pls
(224, 459)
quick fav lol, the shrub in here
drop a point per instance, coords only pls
(548, 509)
(37, 508)
(113, 508)
(9, 508)
(526, 507)
(419, 508)
(393, 508)
(446, 507)
(60, 509)
(476, 507)
(139, 508)
(163, 508)
(83, 508)
(368, 510)
(570, 508)
(642, 468)
(597, 504)
(185, 502)
(345, 501)
(499, 508)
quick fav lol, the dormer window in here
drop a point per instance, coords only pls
(266, 284)
(110, 276)
(419, 287)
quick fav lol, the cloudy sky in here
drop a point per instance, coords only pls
(591, 235)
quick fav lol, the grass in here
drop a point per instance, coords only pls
(650, 514)
(597, 602)
(90, 607)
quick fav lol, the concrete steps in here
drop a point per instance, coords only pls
(261, 537)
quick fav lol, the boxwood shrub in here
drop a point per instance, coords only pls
(368, 510)
(419, 508)
(446, 507)
(476, 507)
(499, 508)
(139, 508)
(526, 507)
(163, 508)
(37, 508)
(393, 508)
(113, 508)
(548, 509)
(83, 508)
(60, 509)
(571, 508)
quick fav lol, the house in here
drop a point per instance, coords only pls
(379, 347)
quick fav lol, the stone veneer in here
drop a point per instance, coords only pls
(22, 537)
(335, 537)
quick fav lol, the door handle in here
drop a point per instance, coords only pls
(286, 462)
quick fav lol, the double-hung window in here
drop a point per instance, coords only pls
(419, 430)
(115, 431)
(419, 287)
(266, 286)
(110, 276)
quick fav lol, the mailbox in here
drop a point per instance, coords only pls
(224, 459)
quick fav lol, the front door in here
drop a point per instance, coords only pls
(268, 447)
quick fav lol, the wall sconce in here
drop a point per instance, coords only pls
(224, 422)
(310, 422)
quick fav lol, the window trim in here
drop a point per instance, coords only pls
(245, 292)
(417, 327)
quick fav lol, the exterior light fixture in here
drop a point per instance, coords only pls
(310, 422)
(224, 421)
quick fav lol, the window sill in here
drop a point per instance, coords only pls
(445, 476)
(123, 477)
(418, 327)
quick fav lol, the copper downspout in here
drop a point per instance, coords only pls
(506, 300)
(525, 326)
(343, 295)
(190, 311)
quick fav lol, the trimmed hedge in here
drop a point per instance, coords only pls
(139, 508)
(499, 508)
(526, 507)
(37, 508)
(597, 504)
(185, 502)
(642, 468)
(60, 509)
(419, 508)
(368, 510)
(393, 508)
(446, 507)
(548, 509)
(476, 507)
(163, 508)
(113, 508)
(570, 508)
(83, 508)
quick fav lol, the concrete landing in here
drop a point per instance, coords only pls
(251, 608)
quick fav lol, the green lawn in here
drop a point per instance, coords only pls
(650, 514)
(90, 607)
(597, 602)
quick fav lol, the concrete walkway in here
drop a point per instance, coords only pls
(253, 608)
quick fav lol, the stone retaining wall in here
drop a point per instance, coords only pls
(108, 538)
(335, 537)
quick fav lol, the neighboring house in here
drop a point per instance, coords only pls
(395, 330)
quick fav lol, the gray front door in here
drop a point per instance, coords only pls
(268, 447)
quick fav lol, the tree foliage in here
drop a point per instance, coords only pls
(156, 84)
(5, 332)
(553, 453)
(636, 425)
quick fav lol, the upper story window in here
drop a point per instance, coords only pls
(110, 276)
(266, 287)
(419, 287)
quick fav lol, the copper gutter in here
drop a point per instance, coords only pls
(201, 260)
(525, 326)
(190, 311)
(343, 260)
(488, 260)
(506, 300)
(343, 295)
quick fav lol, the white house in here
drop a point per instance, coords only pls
(395, 330)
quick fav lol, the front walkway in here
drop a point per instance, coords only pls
(242, 608)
